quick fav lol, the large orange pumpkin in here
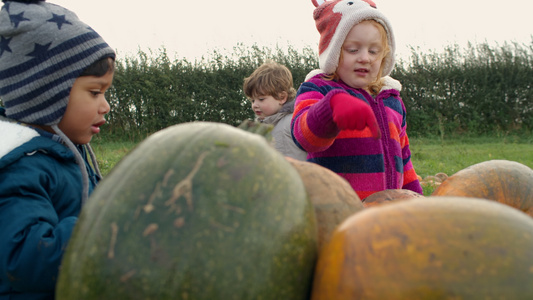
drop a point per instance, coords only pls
(388, 196)
(332, 196)
(505, 181)
(429, 248)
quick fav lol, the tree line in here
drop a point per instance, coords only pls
(151, 91)
(480, 89)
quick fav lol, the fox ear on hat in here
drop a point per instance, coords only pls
(317, 3)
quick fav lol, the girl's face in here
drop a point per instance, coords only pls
(86, 108)
(265, 106)
(361, 56)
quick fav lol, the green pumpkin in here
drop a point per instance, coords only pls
(196, 211)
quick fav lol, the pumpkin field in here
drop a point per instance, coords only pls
(206, 210)
(194, 207)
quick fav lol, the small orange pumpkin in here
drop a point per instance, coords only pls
(429, 248)
(388, 196)
(505, 181)
(332, 196)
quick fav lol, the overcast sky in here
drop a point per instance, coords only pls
(191, 29)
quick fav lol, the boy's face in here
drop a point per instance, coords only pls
(265, 106)
(362, 54)
(86, 108)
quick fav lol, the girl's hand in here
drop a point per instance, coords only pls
(352, 113)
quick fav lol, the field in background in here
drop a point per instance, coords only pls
(430, 156)
(433, 156)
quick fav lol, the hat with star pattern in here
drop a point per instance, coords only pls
(43, 49)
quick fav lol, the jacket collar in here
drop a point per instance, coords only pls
(14, 135)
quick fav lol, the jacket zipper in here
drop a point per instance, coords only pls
(390, 167)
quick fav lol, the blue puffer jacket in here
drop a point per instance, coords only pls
(40, 199)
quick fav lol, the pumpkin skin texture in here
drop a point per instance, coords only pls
(333, 198)
(388, 196)
(429, 248)
(505, 181)
(196, 211)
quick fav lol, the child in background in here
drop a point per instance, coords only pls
(348, 115)
(271, 91)
(54, 71)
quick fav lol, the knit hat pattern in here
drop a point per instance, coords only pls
(44, 48)
(335, 19)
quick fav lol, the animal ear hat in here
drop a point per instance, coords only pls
(334, 20)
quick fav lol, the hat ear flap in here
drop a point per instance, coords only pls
(317, 3)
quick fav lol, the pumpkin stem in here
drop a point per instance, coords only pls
(262, 129)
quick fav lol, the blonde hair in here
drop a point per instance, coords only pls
(375, 86)
(270, 79)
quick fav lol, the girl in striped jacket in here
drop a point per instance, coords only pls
(348, 115)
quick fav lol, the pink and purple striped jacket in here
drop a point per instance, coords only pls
(369, 165)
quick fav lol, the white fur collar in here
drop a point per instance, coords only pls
(313, 73)
(389, 82)
(13, 135)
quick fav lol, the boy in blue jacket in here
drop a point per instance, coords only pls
(54, 71)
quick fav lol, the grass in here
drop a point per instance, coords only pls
(109, 153)
(429, 156)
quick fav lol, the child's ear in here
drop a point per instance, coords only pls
(282, 97)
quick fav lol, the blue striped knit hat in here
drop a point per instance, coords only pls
(43, 49)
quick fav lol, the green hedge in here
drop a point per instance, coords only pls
(151, 92)
(479, 89)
